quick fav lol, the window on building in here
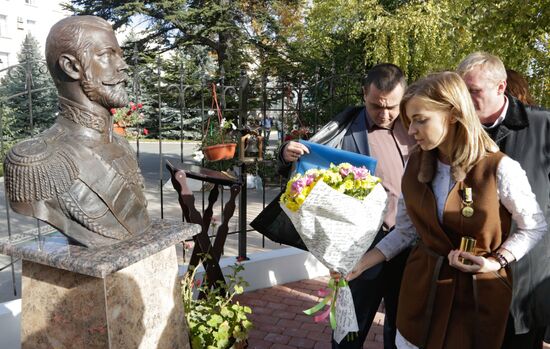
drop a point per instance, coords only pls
(4, 60)
(31, 26)
(29, 2)
(3, 25)
(20, 23)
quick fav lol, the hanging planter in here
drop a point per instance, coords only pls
(218, 143)
(217, 152)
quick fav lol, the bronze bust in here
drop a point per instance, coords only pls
(78, 176)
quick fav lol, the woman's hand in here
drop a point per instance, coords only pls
(479, 264)
(293, 151)
(335, 275)
(369, 260)
(355, 272)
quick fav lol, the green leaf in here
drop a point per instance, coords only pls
(214, 320)
(238, 289)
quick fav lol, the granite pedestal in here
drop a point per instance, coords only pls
(126, 295)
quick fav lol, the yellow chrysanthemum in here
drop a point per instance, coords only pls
(358, 188)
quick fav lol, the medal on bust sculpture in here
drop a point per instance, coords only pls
(78, 176)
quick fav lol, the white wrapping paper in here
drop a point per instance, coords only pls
(338, 229)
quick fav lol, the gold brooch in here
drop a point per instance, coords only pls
(467, 201)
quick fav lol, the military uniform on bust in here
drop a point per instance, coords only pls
(78, 178)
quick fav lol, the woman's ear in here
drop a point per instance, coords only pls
(70, 66)
(453, 116)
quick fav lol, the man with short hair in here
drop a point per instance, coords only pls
(523, 133)
(77, 176)
(267, 123)
(375, 130)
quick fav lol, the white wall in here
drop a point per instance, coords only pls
(10, 318)
(275, 267)
(22, 17)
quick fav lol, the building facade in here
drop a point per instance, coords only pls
(20, 17)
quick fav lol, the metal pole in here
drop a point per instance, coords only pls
(136, 90)
(243, 110)
(160, 139)
(28, 84)
(331, 87)
(264, 110)
(203, 131)
(283, 91)
(182, 106)
(223, 107)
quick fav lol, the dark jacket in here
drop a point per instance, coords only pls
(524, 135)
(332, 134)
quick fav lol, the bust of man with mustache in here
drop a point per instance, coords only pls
(78, 176)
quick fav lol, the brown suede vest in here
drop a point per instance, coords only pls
(439, 306)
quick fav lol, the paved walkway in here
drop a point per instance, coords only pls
(279, 322)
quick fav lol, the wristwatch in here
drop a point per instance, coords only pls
(500, 259)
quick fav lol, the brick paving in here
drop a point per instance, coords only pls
(279, 322)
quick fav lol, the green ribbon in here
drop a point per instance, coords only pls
(332, 296)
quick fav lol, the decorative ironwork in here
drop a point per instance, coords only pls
(301, 103)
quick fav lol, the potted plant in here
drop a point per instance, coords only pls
(128, 116)
(213, 318)
(218, 141)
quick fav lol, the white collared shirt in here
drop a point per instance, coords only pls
(501, 117)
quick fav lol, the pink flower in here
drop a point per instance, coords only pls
(139, 105)
(345, 172)
(145, 131)
(113, 111)
(310, 179)
(298, 185)
(360, 172)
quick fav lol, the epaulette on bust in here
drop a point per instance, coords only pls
(37, 170)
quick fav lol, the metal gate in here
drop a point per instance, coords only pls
(176, 100)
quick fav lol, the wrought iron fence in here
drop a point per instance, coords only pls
(178, 104)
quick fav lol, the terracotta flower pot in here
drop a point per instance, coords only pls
(119, 130)
(217, 152)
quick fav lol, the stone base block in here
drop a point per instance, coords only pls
(136, 307)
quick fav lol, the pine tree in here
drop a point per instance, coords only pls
(29, 78)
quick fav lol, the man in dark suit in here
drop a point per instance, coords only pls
(373, 130)
(523, 133)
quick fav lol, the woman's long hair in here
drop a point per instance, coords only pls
(447, 92)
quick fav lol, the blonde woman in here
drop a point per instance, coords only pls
(456, 185)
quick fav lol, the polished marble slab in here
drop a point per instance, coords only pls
(51, 248)
(137, 307)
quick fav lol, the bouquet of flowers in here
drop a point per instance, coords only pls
(337, 212)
